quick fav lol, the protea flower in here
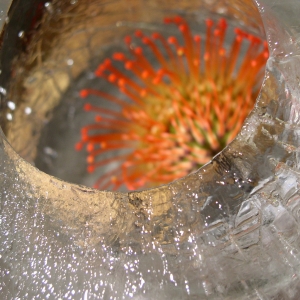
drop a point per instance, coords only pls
(179, 114)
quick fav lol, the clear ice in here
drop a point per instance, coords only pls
(228, 231)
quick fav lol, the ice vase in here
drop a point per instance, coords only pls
(230, 230)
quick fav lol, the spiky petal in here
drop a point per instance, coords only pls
(179, 114)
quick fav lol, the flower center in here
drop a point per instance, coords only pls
(175, 117)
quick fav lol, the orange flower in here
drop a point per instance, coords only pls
(178, 115)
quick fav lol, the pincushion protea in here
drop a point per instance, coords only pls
(179, 114)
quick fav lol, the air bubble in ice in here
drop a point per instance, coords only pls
(28, 110)
(21, 34)
(11, 105)
(2, 91)
(9, 116)
(49, 7)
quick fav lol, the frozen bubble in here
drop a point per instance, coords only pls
(21, 34)
(49, 151)
(9, 116)
(70, 62)
(2, 91)
(11, 105)
(49, 7)
(28, 110)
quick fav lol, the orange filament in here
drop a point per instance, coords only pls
(179, 114)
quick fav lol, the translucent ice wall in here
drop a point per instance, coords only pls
(228, 231)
